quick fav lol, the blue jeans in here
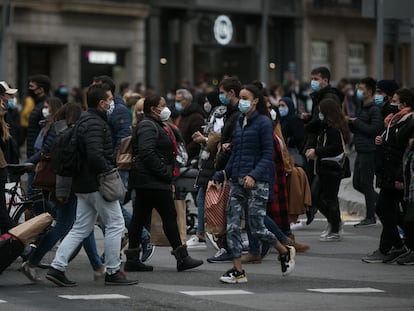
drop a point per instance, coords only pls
(201, 196)
(253, 202)
(254, 244)
(89, 206)
(65, 216)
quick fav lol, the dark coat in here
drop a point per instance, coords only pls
(252, 149)
(34, 126)
(120, 122)
(293, 130)
(191, 121)
(329, 144)
(95, 143)
(366, 127)
(154, 158)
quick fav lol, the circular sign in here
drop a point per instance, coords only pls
(223, 29)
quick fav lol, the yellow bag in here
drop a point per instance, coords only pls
(29, 230)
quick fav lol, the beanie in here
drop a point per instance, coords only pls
(387, 86)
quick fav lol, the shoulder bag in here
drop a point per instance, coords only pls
(111, 186)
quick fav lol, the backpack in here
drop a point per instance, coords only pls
(65, 153)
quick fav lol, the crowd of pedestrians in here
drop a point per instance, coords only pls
(270, 146)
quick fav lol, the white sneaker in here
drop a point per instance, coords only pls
(212, 241)
(296, 225)
(326, 231)
(196, 242)
(287, 261)
(30, 272)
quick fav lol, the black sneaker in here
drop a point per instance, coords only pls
(375, 257)
(59, 278)
(118, 278)
(233, 276)
(367, 222)
(287, 261)
(407, 259)
(394, 254)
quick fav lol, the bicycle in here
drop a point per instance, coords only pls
(17, 202)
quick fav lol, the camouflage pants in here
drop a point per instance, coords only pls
(253, 202)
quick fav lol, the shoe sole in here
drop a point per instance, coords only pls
(150, 255)
(364, 226)
(330, 240)
(213, 243)
(196, 246)
(121, 284)
(394, 259)
(58, 282)
(234, 282)
(372, 261)
(219, 261)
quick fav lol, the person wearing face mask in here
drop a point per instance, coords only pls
(367, 124)
(390, 180)
(151, 177)
(383, 96)
(334, 134)
(249, 170)
(96, 148)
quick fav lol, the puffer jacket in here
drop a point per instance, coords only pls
(252, 149)
(34, 125)
(153, 156)
(366, 127)
(95, 143)
(120, 122)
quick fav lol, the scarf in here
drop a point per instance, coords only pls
(393, 119)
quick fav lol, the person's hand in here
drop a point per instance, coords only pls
(399, 185)
(218, 177)
(226, 146)
(378, 140)
(249, 182)
(310, 154)
(199, 138)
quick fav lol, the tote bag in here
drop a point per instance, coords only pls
(45, 177)
(215, 205)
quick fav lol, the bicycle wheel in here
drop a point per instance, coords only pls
(23, 208)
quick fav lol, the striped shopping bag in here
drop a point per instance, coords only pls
(215, 205)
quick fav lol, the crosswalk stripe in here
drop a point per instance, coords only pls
(346, 290)
(215, 292)
(94, 297)
(3, 301)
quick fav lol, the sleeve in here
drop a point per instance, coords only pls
(371, 128)
(93, 136)
(333, 146)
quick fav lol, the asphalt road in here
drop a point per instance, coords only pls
(330, 276)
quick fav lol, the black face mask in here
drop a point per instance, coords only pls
(32, 93)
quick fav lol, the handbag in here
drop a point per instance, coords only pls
(111, 186)
(215, 205)
(45, 177)
(339, 162)
(124, 158)
(29, 230)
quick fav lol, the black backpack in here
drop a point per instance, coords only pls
(65, 152)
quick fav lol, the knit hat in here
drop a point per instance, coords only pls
(387, 86)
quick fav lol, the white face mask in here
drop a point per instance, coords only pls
(45, 112)
(165, 114)
(111, 107)
(273, 114)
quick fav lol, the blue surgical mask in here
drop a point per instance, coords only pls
(283, 111)
(360, 94)
(321, 116)
(379, 99)
(178, 107)
(315, 85)
(223, 99)
(11, 103)
(244, 105)
(297, 89)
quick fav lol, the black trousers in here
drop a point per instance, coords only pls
(388, 211)
(328, 203)
(163, 202)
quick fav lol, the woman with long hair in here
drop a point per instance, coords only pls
(250, 169)
(328, 154)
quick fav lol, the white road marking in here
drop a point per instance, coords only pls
(3, 301)
(215, 292)
(94, 297)
(346, 290)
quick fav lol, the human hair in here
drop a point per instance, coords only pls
(323, 71)
(123, 86)
(185, 94)
(96, 93)
(151, 101)
(138, 107)
(261, 105)
(369, 83)
(54, 104)
(105, 80)
(231, 83)
(69, 112)
(335, 117)
(42, 81)
(406, 97)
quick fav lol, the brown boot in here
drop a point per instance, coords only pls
(300, 248)
(250, 258)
